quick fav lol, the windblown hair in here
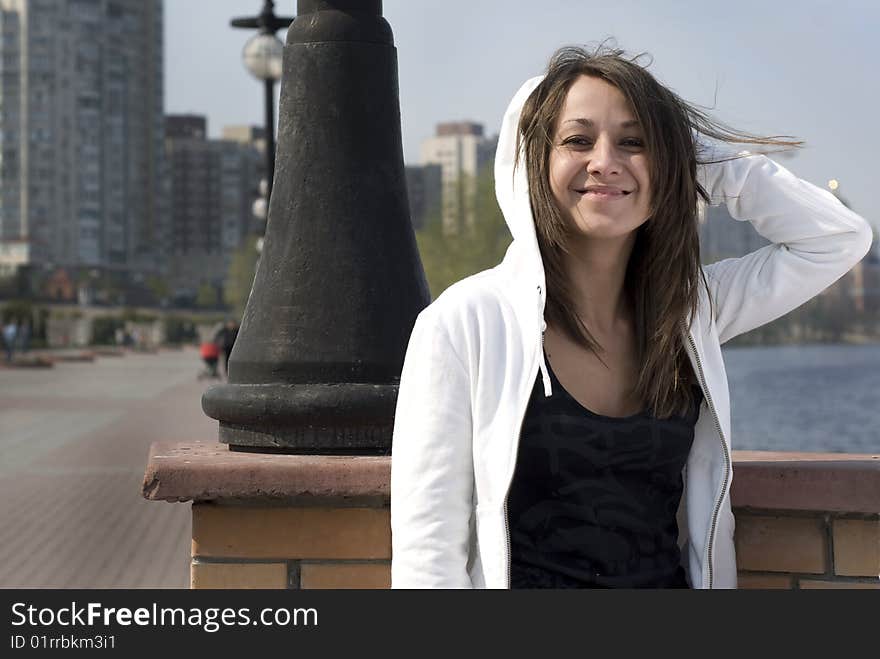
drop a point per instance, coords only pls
(664, 270)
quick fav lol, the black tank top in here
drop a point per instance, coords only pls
(593, 499)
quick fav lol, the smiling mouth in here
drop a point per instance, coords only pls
(604, 194)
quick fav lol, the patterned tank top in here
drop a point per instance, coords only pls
(594, 498)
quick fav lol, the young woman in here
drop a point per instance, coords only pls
(563, 419)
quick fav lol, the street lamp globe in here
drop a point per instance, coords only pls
(260, 208)
(262, 56)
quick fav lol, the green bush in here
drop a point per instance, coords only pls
(449, 256)
(17, 309)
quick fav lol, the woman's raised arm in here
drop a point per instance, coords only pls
(816, 240)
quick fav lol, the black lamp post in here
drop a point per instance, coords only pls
(316, 365)
(262, 56)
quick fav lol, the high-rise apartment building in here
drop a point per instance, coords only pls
(254, 139)
(462, 151)
(213, 185)
(255, 136)
(81, 133)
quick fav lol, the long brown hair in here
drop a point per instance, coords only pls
(664, 267)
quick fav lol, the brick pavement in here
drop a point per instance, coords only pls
(73, 447)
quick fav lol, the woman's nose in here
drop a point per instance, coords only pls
(603, 158)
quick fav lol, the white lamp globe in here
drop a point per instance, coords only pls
(262, 56)
(260, 208)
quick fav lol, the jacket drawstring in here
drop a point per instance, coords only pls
(545, 374)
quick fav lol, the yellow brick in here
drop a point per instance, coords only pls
(282, 533)
(342, 575)
(763, 581)
(813, 584)
(231, 575)
(780, 544)
(857, 547)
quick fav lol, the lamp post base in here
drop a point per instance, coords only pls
(337, 419)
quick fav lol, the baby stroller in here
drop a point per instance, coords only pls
(210, 353)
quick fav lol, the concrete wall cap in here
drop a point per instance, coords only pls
(209, 471)
(829, 482)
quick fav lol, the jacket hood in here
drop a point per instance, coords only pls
(512, 187)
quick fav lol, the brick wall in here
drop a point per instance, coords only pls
(242, 546)
(807, 520)
(782, 549)
(284, 521)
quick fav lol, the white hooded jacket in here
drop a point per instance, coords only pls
(475, 352)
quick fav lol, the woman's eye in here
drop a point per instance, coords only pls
(630, 142)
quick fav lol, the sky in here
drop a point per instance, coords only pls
(807, 68)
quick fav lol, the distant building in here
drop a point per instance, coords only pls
(462, 151)
(424, 187)
(81, 159)
(252, 135)
(186, 126)
(194, 193)
(13, 253)
(213, 185)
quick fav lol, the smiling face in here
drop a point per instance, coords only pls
(598, 165)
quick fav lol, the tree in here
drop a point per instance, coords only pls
(206, 297)
(158, 286)
(240, 278)
(18, 310)
(457, 252)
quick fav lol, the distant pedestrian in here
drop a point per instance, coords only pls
(225, 339)
(10, 332)
(210, 353)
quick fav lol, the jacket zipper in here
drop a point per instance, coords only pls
(719, 499)
(516, 448)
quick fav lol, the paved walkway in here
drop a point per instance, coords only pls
(73, 448)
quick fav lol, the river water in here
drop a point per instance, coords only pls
(813, 397)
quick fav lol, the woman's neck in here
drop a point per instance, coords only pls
(597, 273)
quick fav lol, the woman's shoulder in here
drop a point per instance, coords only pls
(479, 293)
